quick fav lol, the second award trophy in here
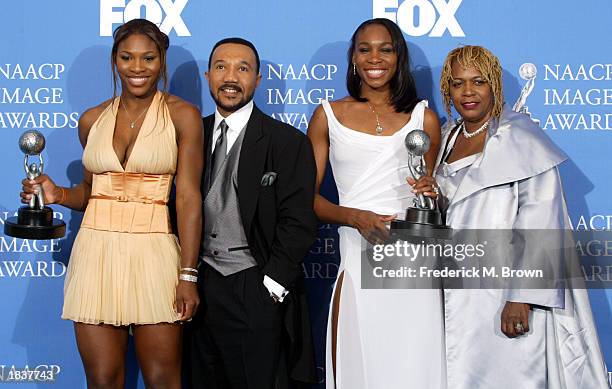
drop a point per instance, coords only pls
(423, 219)
(35, 220)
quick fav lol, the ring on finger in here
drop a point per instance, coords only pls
(518, 327)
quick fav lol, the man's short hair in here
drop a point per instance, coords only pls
(238, 41)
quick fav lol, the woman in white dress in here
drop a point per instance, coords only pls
(376, 339)
(498, 170)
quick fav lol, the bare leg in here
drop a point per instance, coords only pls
(102, 348)
(158, 348)
(335, 313)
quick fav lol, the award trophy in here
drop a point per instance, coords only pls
(528, 72)
(423, 219)
(35, 220)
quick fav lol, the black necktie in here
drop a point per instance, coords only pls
(220, 151)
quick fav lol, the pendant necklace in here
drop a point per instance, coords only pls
(379, 128)
(133, 122)
(472, 134)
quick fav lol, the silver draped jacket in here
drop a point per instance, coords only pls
(515, 184)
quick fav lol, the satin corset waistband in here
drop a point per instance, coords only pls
(129, 202)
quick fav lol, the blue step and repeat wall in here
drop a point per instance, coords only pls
(54, 64)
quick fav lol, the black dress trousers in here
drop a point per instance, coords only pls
(236, 335)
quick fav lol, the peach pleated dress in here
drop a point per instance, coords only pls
(125, 260)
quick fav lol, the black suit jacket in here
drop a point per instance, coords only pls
(279, 219)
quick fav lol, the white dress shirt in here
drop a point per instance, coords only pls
(236, 123)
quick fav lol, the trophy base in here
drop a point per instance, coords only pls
(36, 224)
(424, 216)
(421, 223)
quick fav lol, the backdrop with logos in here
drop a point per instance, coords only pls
(55, 64)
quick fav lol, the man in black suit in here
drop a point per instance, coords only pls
(252, 328)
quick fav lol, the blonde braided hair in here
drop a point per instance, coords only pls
(485, 62)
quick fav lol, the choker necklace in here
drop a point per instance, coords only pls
(379, 128)
(133, 122)
(472, 134)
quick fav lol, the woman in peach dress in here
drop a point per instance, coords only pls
(126, 268)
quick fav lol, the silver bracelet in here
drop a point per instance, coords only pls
(188, 278)
(189, 269)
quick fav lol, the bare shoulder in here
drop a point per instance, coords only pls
(346, 100)
(338, 107)
(178, 106)
(343, 106)
(318, 115)
(318, 127)
(183, 113)
(344, 103)
(431, 118)
(431, 125)
(89, 117)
